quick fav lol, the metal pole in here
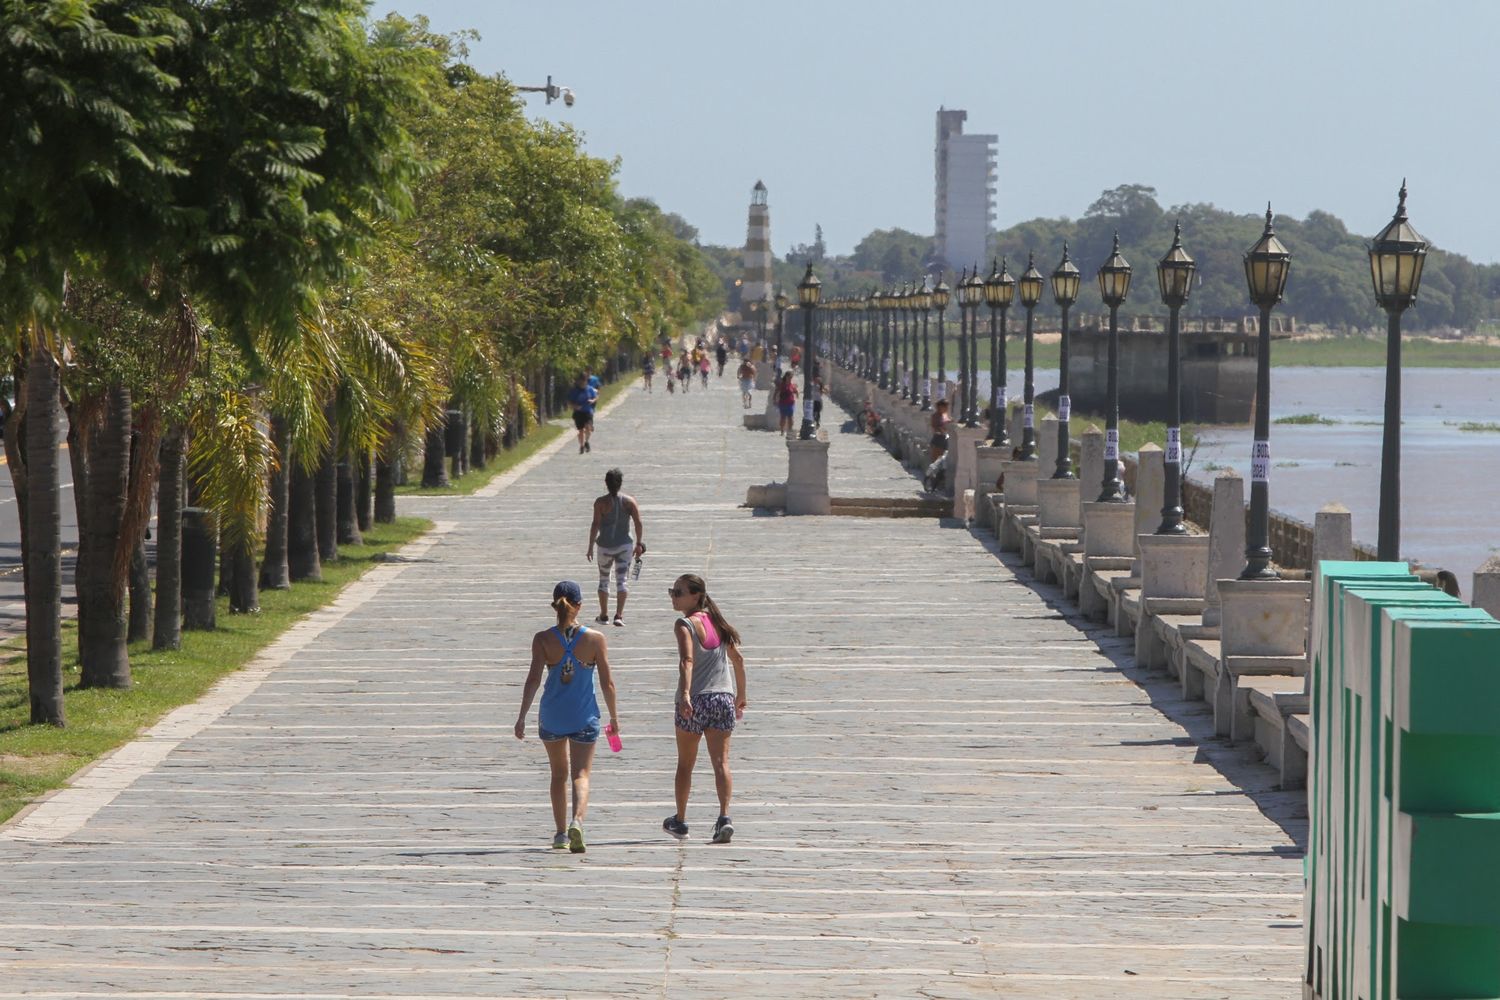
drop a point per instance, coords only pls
(1064, 469)
(1112, 490)
(973, 420)
(885, 348)
(942, 368)
(1171, 511)
(1258, 537)
(1388, 543)
(999, 434)
(926, 371)
(965, 314)
(1028, 394)
(809, 346)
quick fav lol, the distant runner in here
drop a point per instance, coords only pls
(614, 513)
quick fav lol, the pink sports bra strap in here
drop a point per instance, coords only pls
(711, 638)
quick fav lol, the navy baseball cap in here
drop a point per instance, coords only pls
(570, 590)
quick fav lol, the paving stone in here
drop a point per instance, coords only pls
(947, 783)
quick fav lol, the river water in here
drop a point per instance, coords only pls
(1450, 478)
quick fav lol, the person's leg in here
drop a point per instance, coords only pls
(687, 756)
(603, 591)
(557, 758)
(622, 581)
(718, 755)
(583, 759)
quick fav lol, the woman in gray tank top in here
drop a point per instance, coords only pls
(614, 513)
(710, 697)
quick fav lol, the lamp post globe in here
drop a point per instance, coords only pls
(999, 292)
(1267, 264)
(1174, 276)
(809, 291)
(1114, 286)
(1396, 258)
(1066, 280)
(1030, 288)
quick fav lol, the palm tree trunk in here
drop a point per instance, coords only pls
(168, 630)
(102, 654)
(140, 595)
(386, 458)
(434, 471)
(302, 526)
(244, 594)
(200, 546)
(43, 542)
(478, 439)
(326, 496)
(274, 574)
(344, 497)
(364, 491)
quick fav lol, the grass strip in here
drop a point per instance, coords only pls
(37, 759)
(477, 479)
(1306, 418)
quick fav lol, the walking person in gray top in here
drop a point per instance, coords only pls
(710, 697)
(610, 531)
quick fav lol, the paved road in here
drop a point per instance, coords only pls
(945, 787)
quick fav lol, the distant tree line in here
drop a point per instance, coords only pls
(1329, 286)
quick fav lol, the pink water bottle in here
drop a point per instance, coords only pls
(614, 738)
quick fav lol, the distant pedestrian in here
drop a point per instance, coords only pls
(939, 424)
(583, 397)
(685, 371)
(568, 719)
(746, 375)
(744, 346)
(648, 370)
(721, 354)
(614, 513)
(817, 395)
(786, 400)
(796, 356)
(710, 698)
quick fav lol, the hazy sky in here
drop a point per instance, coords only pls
(1309, 103)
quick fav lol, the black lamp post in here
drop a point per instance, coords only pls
(1030, 287)
(909, 356)
(809, 290)
(1396, 259)
(1174, 273)
(976, 299)
(1114, 285)
(965, 314)
(867, 348)
(938, 299)
(857, 305)
(898, 339)
(999, 290)
(1266, 266)
(1066, 279)
(781, 303)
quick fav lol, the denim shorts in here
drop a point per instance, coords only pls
(588, 734)
(714, 710)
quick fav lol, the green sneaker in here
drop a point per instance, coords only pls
(560, 842)
(575, 837)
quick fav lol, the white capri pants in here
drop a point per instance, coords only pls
(620, 559)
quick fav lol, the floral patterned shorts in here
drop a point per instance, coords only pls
(710, 711)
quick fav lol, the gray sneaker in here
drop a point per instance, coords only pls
(575, 837)
(560, 842)
(723, 831)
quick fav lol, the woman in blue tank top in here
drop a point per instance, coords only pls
(568, 720)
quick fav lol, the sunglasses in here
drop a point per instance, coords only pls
(678, 592)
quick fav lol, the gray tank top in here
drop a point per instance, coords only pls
(614, 530)
(711, 673)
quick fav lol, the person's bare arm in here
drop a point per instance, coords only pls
(640, 531)
(738, 662)
(593, 533)
(684, 668)
(606, 679)
(533, 682)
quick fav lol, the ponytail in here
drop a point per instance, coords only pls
(566, 611)
(726, 631)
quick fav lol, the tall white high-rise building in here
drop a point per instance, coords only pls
(965, 191)
(756, 284)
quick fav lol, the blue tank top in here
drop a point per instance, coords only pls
(568, 702)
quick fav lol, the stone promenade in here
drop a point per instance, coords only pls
(945, 786)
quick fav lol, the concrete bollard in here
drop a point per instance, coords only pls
(1486, 592)
(1046, 447)
(1333, 534)
(1150, 488)
(1017, 425)
(807, 476)
(1226, 540)
(1091, 462)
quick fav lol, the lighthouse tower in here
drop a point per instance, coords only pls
(756, 286)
